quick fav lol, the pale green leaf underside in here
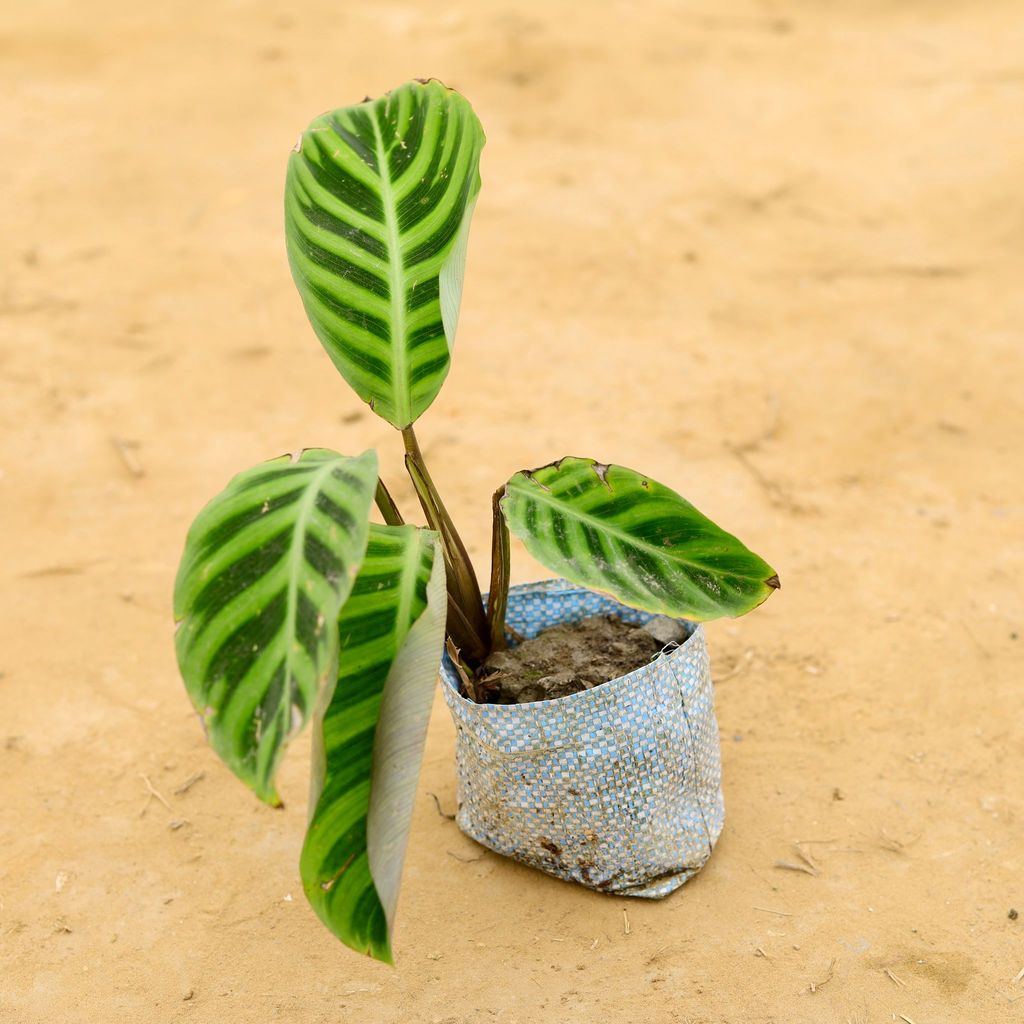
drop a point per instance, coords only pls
(612, 529)
(377, 208)
(368, 742)
(267, 566)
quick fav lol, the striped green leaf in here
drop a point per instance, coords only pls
(368, 742)
(612, 529)
(377, 210)
(267, 566)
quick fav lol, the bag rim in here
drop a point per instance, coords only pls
(539, 590)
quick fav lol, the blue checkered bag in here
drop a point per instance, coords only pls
(617, 788)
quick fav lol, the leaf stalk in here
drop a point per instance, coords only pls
(467, 621)
(497, 596)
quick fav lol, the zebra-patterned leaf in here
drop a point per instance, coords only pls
(614, 530)
(267, 565)
(377, 210)
(368, 742)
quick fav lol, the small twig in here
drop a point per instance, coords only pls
(787, 866)
(514, 633)
(437, 804)
(807, 859)
(776, 494)
(768, 431)
(625, 922)
(905, 1018)
(894, 845)
(760, 952)
(888, 843)
(1019, 976)
(151, 793)
(815, 985)
(55, 570)
(768, 910)
(892, 977)
(127, 456)
(742, 664)
(190, 782)
(982, 649)
(464, 860)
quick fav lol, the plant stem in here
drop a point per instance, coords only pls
(467, 621)
(497, 597)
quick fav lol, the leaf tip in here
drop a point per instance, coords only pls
(774, 582)
(382, 954)
(265, 790)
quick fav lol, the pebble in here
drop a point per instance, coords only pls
(666, 630)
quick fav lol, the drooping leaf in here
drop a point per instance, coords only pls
(614, 530)
(368, 743)
(267, 566)
(377, 210)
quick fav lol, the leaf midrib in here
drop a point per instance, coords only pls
(602, 524)
(296, 556)
(403, 409)
(409, 576)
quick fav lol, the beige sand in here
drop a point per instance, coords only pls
(770, 253)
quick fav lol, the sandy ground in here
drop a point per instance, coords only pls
(769, 253)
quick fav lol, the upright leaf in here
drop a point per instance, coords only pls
(267, 566)
(377, 210)
(612, 529)
(368, 743)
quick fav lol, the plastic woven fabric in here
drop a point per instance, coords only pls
(617, 788)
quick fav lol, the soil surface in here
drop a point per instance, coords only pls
(568, 658)
(769, 252)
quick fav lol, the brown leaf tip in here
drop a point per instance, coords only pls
(773, 582)
(528, 474)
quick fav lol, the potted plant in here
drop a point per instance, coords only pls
(291, 605)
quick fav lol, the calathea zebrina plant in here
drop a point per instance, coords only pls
(292, 605)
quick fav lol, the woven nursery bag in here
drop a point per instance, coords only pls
(617, 788)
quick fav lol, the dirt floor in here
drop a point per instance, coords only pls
(769, 253)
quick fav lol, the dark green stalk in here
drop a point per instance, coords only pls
(467, 621)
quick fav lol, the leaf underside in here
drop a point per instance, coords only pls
(267, 566)
(368, 742)
(612, 529)
(378, 202)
